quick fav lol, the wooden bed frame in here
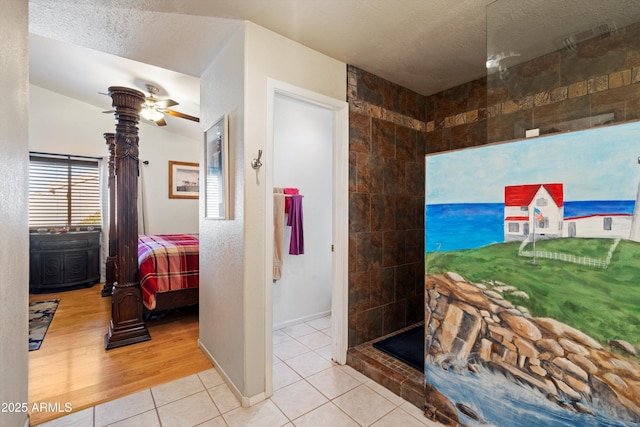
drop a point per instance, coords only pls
(127, 324)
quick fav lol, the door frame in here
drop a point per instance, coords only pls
(340, 220)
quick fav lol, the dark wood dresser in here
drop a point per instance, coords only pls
(63, 261)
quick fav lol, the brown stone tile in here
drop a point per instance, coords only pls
(431, 126)
(353, 175)
(394, 98)
(598, 83)
(472, 116)
(414, 247)
(405, 143)
(415, 173)
(502, 128)
(382, 286)
(619, 78)
(415, 308)
(359, 292)
(370, 174)
(439, 140)
(405, 285)
(525, 103)
(477, 94)
(404, 212)
(383, 213)
(558, 94)
(497, 91)
(369, 324)
(359, 133)
(353, 251)
(416, 105)
(578, 89)
(624, 102)
(635, 75)
(595, 57)
(449, 102)
(550, 115)
(421, 147)
(494, 110)
(510, 106)
(383, 138)
(461, 137)
(370, 88)
(369, 251)
(394, 316)
(528, 78)
(394, 177)
(359, 212)
(542, 98)
(393, 248)
(413, 392)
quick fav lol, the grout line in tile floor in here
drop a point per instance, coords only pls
(308, 390)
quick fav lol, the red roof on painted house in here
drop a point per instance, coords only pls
(522, 195)
(517, 218)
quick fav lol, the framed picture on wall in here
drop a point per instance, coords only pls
(184, 180)
(216, 162)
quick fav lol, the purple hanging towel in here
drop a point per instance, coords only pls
(294, 219)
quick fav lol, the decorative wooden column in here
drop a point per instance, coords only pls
(127, 323)
(110, 267)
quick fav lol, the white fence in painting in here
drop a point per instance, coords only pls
(582, 260)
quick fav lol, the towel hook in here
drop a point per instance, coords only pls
(256, 163)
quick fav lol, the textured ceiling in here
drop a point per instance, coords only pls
(80, 47)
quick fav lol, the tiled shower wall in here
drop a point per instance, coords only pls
(601, 76)
(386, 206)
(392, 128)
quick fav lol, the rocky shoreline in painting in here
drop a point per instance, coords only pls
(471, 327)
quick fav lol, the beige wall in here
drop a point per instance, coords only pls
(14, 253)
(233, 252)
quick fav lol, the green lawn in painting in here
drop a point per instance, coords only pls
(603, 303)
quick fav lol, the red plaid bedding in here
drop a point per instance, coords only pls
(167, 262)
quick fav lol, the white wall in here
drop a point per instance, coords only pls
(221, 241)
(14, 232)
(303, 150)
(232, 295)
(60, 124)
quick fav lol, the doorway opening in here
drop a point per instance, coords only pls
(308, 146)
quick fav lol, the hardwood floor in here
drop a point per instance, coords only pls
(72, 366)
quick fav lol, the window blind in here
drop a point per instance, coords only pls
(63, 191)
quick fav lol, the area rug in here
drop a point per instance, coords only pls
(40, 317)
(407, 346)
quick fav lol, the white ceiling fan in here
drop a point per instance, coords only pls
(154, 109)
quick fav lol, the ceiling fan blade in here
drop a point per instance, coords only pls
(109, 112)
(181, 115)
(165, 103)
(161, 122)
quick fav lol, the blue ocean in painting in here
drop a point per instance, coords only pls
(458, 226)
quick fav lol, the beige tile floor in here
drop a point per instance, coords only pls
(309, 390)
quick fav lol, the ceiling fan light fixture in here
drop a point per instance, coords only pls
(151, 113)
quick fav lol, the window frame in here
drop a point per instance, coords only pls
(75, 165)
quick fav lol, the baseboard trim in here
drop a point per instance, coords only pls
(301, 320)
(245, 401)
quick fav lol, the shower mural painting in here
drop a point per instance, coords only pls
(532, 281)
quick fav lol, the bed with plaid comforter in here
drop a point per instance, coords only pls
(167, 262)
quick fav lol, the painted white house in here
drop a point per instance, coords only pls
(614, 226)
(524, 204)
(544, 204)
